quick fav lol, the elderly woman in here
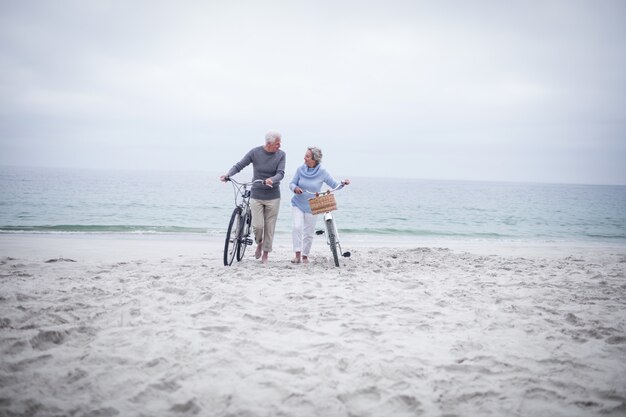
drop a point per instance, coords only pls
(310, 176)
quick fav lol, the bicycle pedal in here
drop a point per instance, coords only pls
(319, 232)
(249, 242)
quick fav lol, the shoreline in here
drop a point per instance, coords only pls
(107, 246)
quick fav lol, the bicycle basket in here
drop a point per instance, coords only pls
(322, 203)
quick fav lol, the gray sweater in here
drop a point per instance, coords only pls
(264, 165)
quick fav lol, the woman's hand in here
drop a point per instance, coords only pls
(345, 182)
(297, 190)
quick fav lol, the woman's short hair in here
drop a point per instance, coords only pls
(316, 154)
(271, 137)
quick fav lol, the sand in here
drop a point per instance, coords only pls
(154, 326)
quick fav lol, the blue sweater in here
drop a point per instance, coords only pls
(310, 179)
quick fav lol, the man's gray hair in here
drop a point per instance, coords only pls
(271, 137)
(316, 154)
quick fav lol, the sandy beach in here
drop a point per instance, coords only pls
(153, 326)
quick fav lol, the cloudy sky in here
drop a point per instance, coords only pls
(478, 90)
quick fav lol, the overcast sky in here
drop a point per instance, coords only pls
(479, 90)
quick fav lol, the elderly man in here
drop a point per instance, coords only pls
(268, 164)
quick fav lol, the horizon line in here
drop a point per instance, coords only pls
(368, 177)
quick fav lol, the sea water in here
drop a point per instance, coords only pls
(50, 200)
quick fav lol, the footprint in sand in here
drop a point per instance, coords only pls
(47, 339)
(190, 407)
(49, 261)
(616, 340)
(365, 398)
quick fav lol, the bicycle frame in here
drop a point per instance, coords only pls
(332, 234)
(239, 227)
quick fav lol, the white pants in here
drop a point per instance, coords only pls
(302, 231)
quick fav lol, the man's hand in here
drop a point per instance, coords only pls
(268, 182)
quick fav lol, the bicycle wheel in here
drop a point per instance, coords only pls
(332, 240)
(244, 235)
(232, 237)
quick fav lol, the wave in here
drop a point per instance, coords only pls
(415, 232)
(143, 229)
(281, 230)
(605, 236)
(98, 228)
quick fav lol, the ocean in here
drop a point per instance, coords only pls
(54, 200)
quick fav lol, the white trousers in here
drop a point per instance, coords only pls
(302, 230)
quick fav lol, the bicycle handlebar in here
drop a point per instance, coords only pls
(332, 190)
(246, 183)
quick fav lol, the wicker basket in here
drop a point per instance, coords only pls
(323, 203)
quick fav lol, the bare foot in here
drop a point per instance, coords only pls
(305, 259)
(296, 260)
(264, 258)
(257, 253)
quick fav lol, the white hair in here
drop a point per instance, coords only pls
(271, 137)
(316, 154)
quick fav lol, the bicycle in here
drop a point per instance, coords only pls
(238, 232)
(325, 203)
